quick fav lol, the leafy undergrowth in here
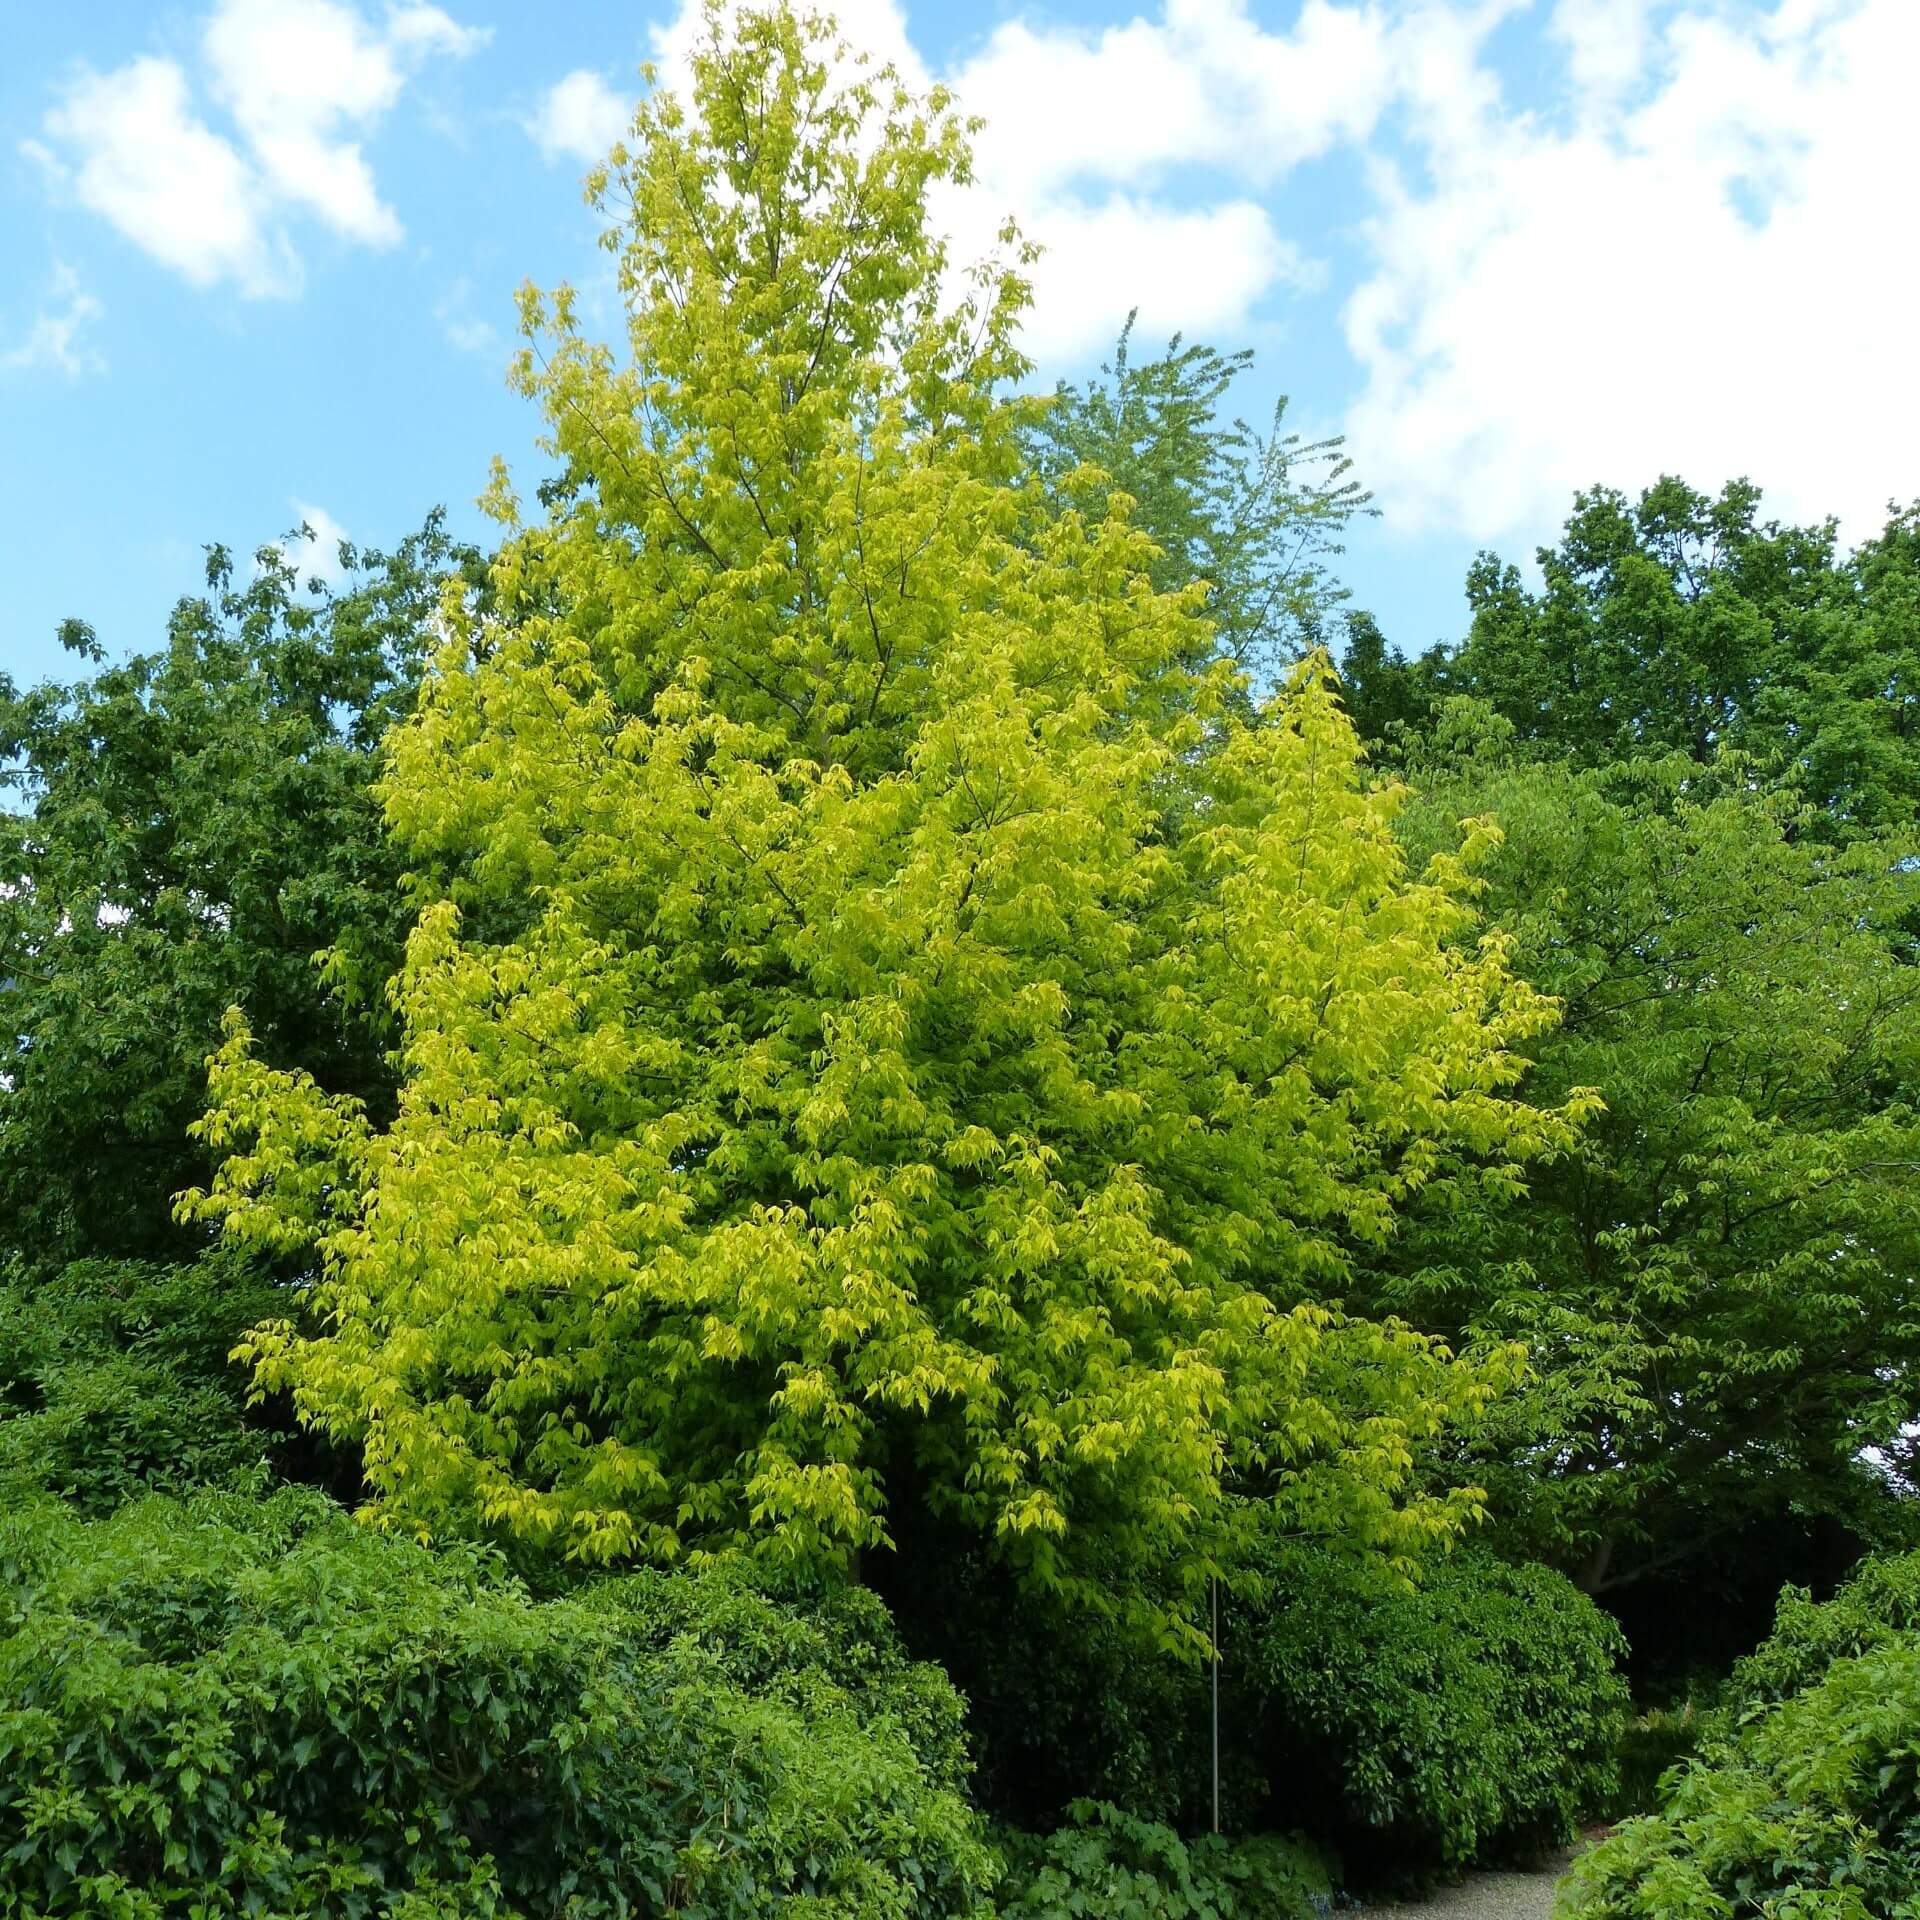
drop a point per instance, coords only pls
(1106, 1865)
(1473, 1718)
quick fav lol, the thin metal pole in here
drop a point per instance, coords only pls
(1216, 1703)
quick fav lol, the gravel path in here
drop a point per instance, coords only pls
(1484, 1896)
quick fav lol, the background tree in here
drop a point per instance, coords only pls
(1260, 519)
(1686, 624)
(1717, 1285)
(193, 827)
(860, 1058)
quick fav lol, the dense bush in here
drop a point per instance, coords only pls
(115, 1380)
(1806, 1799)
(1475, 1714)
(1879, 1606)
(1472, 1715)
(778, 1638)
(224, 1706)
(1811, 1809)
(1107, 1863)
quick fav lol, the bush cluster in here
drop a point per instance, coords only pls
(115, 1380)
(1474, 1715)
(223, 1706)
(1805, 1800)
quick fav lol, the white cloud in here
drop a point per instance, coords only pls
(579, 118)
(1199, 270)
(465, 329)
(296, 78)
(1606, 44)
(144, 160)
(424, 30)
(1700, 280)
(319, 557)
(1203, 85)
(56, 338)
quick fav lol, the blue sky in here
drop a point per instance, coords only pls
(260, 253)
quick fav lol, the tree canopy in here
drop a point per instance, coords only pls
(859, 1049)
(196, 827)
(1683, 623)
(1715, 1287)
(1259, 518)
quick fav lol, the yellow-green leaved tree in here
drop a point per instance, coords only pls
(879, 1027)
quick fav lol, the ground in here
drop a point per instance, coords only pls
(1485, 1896)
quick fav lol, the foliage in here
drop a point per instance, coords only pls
(1109, 1864)
(777, 1635)
(1806, 1800)
(195, 827)
(1417, 1727)
(1879, 1606)
(226, 1707)
(1713, 1285)
(1063, 1705)
(1259, 519)
(1683, 623)
(1657, 1739)
(1472, 1715)
(861, 1052)
(115, 1379)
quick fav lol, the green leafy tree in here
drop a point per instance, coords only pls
(1680, 623)
(1716, 1285)
(1260, 519)
(860, 1054)
(190, 828)
(1386, 695)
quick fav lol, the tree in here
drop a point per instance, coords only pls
(1386, 695)
(196, 827)
(1716, 1286)
(1258, 519)
(1684, 624)
(859, 1054)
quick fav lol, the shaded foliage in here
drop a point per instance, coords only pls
(115, 1379)
(238, 1707)
(1806, 1797)
(1108, 1862)
(1472, 1717)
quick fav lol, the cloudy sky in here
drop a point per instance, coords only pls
(259, 254)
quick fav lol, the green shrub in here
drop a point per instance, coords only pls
(115, 1381)
(1810, 1810)
(1475, 1715)
(220, 1707)
(778, 1638)
(1878, 1607)
(1108, 1865)
(1805, 1800)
